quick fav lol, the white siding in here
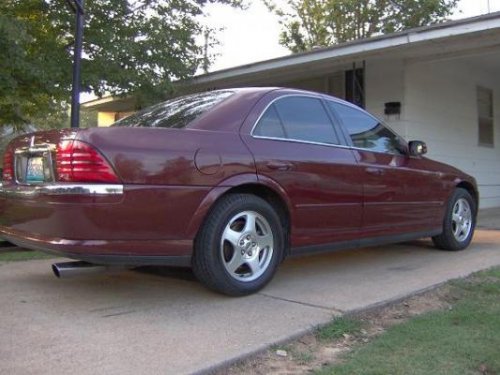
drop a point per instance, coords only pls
(439, 106)
(385, 83)
(441, 109)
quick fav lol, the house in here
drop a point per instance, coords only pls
(440, 84)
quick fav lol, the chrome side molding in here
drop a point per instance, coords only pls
(30, 191)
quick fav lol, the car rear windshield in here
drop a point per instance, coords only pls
(175, 113)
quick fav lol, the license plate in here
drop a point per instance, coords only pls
(34, 172)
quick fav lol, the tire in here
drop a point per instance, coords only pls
(459, 222)
(239, 246)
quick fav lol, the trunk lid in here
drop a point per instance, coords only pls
(33, 156)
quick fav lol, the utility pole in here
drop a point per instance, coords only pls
(77, 6)
(205, 51)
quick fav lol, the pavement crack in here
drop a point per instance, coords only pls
(337, 311)
(119, 313)
(101, 309)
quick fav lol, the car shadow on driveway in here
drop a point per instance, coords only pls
(179, 273)
(186, 274)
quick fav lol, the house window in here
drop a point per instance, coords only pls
(485, 117)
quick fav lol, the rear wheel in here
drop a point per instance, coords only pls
(239, 246)
(459, 222)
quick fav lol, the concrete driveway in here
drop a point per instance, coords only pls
(164, 322)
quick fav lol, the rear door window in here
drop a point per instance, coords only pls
(270, 125)
(297, 118)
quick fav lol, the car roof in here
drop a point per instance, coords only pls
(287, 91)
(222, 116)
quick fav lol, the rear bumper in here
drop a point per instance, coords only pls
(34, 191)
(105, 224)
(105, 252)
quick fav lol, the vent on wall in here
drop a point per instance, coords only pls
(392, 108)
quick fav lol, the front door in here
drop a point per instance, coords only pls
(400, 195)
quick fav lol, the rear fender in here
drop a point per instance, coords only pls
(226, 186)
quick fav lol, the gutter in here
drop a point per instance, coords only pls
(378, 43)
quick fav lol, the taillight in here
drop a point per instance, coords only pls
(8, 165)
(77, 161)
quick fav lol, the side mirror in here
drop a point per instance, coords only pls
(417, 148)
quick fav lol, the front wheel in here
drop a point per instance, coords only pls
(459, 222)
(239, 246)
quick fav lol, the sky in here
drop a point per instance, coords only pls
(252, 35)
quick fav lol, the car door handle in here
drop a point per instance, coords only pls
(375, 171)
(279, 166)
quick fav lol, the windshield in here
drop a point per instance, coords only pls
(175, 113)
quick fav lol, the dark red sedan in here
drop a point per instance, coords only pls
(229, 182)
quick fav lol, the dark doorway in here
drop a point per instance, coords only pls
(355, 86)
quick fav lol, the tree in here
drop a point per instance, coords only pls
(25, 85)
(130, 46)
(321, 23)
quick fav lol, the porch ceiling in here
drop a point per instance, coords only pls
(488, 61)
(477, 44)
(111, 104)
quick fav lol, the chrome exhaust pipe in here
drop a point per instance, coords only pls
(77, 268)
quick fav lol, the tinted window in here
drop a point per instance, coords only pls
(175, 113)
(299, 118)
(270, 125)
(366, 131)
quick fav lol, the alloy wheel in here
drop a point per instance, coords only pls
(461, 220)
(247, 246)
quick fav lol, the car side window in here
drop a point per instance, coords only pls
(298, 118)
(270, 125)
(366, 131)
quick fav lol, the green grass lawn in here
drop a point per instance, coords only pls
(462, 340)
(338, 328)
(15, 256)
